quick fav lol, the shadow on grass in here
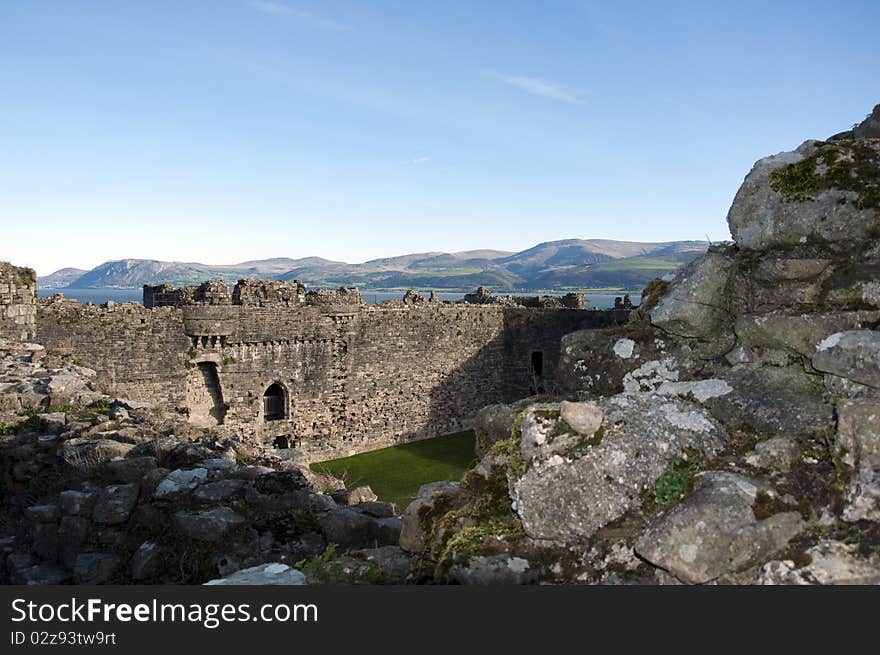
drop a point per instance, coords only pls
(396, 473)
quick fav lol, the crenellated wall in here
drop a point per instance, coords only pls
(353, 377)
(18, 308)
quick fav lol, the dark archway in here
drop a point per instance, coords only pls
(274, 403)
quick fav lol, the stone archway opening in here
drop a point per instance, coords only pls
(274, 403)
(205, 396)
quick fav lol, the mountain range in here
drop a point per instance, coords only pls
(569, 264)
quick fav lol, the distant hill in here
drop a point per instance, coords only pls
(554, 265)
(60, 278)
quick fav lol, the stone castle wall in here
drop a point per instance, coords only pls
(354, 377)
(18, 308)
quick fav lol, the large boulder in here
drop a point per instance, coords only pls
(575, 484)
(694, 306)
(822, 194)
(715, 531)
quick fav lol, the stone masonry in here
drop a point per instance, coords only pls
(332, 374)
(18, 305)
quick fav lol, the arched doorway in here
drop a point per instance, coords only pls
(274, 403)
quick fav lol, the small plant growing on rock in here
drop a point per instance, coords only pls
(676, 481)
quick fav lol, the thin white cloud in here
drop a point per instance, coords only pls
(537, 87)
(279, 9)
(421, 160)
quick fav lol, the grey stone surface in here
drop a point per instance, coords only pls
(858, 449)
(89, 454)
(777, 453)
(771, 399)
(181, 481)
(147, 561)
(693, 306)
(568, 498)
(715, 531)
(394, 562)
(130, 469)
(115, 503)
(207, 525)
(213, 492)
(275, 573)
(73, 533)
(761, 218)
(700, 390)
(352, 529)
(492, 424)
(853, 354)
(53, 422)
(831, 563)
(799, 333)
(96, 567)
(493, 570)
(412, 534)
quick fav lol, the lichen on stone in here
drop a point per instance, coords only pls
(843, 165)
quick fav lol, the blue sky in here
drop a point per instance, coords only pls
(226, 130)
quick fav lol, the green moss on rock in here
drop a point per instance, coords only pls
(844, 165)
(677, 480)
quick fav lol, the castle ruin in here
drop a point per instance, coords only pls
(320, 370)
(18, 305)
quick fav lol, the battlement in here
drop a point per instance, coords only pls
(248, 293)
(276, 293)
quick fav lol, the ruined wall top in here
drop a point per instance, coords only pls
(18, 304)
(483, 296)
(249, 293)
(276, 293)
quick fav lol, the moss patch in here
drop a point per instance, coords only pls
(331, 567)
(677, 480)
(484, 539)
(845, 165)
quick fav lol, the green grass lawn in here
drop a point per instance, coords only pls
(396, 473)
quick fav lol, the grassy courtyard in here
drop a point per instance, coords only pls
(396, 473)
